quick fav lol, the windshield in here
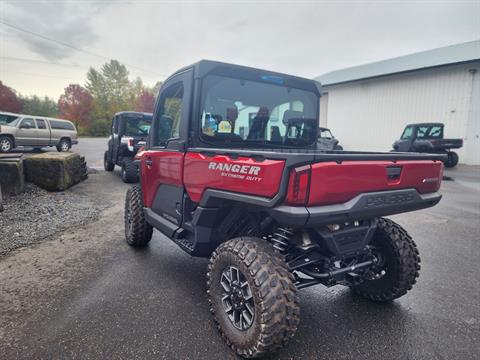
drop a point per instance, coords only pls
(325, 134)
(138, 126)
(8, 119)
(250, 113)
(407, 133)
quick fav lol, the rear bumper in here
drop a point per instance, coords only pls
(364, 206)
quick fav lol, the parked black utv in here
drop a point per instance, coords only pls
(326, 141)
(128, 133)
(428, 138)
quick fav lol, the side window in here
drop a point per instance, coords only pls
(41, 124)
(27, 123)
(167, 121)
(61, 125)
(407, 133)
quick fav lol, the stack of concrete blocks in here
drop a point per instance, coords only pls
(50, 171)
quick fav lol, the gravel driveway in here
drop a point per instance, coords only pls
(38, 214)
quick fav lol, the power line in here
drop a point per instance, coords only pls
(41, 75)
(35, 61)
(72, 47)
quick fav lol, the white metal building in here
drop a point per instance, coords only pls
(368, 106)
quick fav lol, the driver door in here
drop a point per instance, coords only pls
(406, 140)
(162, 166)
(26, 133)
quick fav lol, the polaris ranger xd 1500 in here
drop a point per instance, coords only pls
(129, 132)
(231, 171)
(428, 138)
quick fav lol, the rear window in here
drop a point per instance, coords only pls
(61, 125)
(429, 132)
(248, 113)
(138, 125)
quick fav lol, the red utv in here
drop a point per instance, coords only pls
(231, 171)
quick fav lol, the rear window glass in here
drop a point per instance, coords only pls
(138, 126)
(250, 113)
(429, 132)
(61, 125)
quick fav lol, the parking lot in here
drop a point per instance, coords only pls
(85, 294)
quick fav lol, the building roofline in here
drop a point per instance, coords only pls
(400, 73)
(456, 54)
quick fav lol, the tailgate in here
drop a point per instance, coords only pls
(334, 183)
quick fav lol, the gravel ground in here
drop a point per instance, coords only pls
(37, 214)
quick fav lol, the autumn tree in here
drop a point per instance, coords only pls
(145, 102)
(76, 104)
(9, 100)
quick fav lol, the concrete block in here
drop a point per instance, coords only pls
(55, 171)
(11, 175)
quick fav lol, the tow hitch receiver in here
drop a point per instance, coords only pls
(347, 238)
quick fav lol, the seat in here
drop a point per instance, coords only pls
(259, 125)
(288, 115)
(292, 119)
(275, 135)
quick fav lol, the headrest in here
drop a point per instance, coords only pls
(291, 114)
(227, 111)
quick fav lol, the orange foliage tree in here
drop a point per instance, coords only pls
(76, 105)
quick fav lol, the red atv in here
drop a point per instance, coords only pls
(231, 172)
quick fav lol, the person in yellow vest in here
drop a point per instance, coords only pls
(227, 126)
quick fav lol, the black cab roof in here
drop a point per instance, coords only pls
(426, 124)
(133, 113)
(204, 67)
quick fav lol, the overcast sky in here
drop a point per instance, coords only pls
(154, 38)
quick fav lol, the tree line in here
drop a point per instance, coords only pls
(90, 107)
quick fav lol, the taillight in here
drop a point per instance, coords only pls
(298, 185)
(129, 141)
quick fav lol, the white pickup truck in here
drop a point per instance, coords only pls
(37, 132)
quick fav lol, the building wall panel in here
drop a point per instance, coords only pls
(371, 114)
